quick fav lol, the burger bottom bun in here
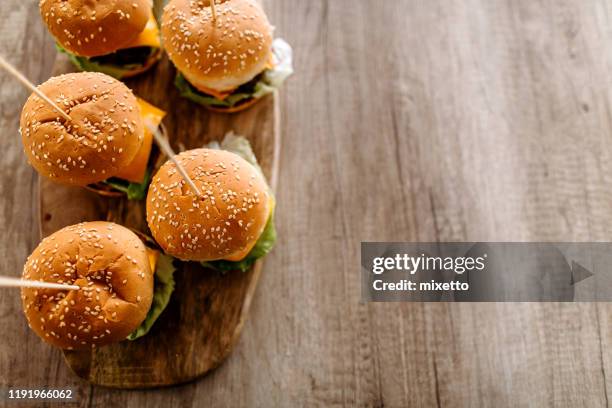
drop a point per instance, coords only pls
(234, 109)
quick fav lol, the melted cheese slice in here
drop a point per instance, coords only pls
(153, 256)
(217, 94)
(149, 37)
(222, 95)
(135, 171)
(242, 254)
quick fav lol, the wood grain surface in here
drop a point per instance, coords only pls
(406, 120)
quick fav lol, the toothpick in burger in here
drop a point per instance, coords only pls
(120, 293)
(231, 225)
(106, 147)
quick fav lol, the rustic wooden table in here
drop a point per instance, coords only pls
(406, 120)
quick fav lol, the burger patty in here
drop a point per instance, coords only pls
(240, 95)
(137, 56)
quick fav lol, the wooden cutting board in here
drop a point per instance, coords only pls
(207, 311)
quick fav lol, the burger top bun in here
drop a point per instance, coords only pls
(104, 136)
(92, 28)
(110, 264)
(224, 222)
(220, 55)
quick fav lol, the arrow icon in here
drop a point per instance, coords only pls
(579, 273)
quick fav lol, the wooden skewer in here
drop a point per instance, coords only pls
(214, 10)
(7, 282)
(165, 146)
(21, 78)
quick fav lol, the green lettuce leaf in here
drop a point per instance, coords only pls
(186, 90)
(238, 145)
(105, 64)
(85, 64)
(262, 247)
(164, 286)
(134, 191)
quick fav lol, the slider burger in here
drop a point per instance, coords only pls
(108, 144)
(228, 227)
(226, 64)
(117, 37)
(113, 269)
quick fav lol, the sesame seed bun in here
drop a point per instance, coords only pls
(109, 262)
(103, 137)
(224, 223)
(221, 55)
(94, 28)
